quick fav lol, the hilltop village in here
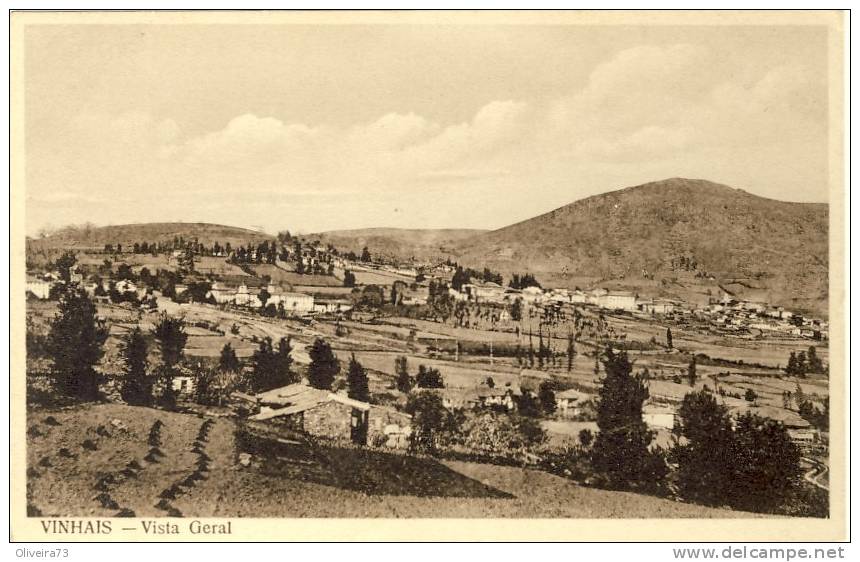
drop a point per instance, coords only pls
(294, 337)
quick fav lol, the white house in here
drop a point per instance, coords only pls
(183, 384)
(659, 417)
(595, 296)
(487, 291)
(222, 292)
(296, 303)
(332, 306)
(567, 402)
(577, 297)
(618, 300)
(532, 294)
(126, 286)
(244, 297)
(40, 288)
(656, 306)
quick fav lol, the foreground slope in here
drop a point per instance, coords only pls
(68, 479)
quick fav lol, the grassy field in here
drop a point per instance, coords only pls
(69, 478)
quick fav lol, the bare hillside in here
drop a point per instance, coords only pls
(673, 235)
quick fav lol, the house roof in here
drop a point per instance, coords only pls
(294, 295)
(487, 392)
(299, 398)
(237, 280)
(657, 409)
(619, 294)
(787, 417)
(571, 394)
(289, 394)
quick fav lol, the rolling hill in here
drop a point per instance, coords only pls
(683, 238)
(676, 237)
(95, 237)
(398, 242)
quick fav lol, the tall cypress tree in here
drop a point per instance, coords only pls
(541, 349)
(404, 380)
(531, 355)
(691, 372)
(136, 386)
(571, 351)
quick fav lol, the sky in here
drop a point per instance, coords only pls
(319, 127)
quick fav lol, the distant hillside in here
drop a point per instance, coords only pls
(675, 237)
(398, 242)
(127, 234)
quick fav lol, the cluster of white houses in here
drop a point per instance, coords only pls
(254, 293)
(599, 297)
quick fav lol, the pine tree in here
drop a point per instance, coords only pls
(271, 368)
(75, 343)
(429, 417)
(528, 406)
(136, 388)
(620, 453)
(263, 296)
(429, 378)
(799, 396)
(802, 366)
(324, 365)
(546, 395)
(791, 368)
(65, 264)
(261, 380)
(704, 461)
(814, 361)
(348, 279)
(356, 380)
(171, 337)
(766, 464)
(228, 362)
(669, 338)
(517, 309)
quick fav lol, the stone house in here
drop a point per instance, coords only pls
(334, 416)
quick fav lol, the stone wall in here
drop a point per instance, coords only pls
(333, 420)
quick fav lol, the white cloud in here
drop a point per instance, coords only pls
(649, 109)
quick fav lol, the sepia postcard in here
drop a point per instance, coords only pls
(428, 276)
